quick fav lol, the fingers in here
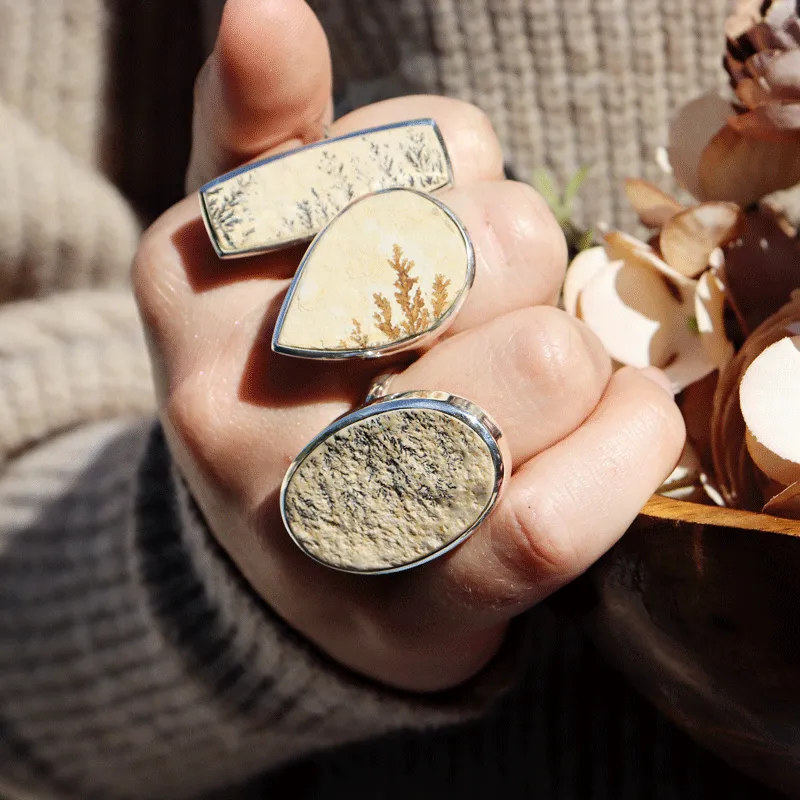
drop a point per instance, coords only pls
(569, 504)
(267, 87)
(537, 371)
(267, 83)
(520, 251)
(184, 292)
(475, 151)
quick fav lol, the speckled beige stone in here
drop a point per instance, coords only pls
(389, 490)
(385, 271)
(292, 197)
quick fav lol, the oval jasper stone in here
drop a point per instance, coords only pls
(390, 490)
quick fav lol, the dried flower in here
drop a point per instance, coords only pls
(741, 152)
(741, 483)
(643, 300)
(763, 62)
(713, 297)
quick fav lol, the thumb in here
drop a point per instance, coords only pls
(266, 84)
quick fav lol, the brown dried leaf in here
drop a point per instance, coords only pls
(653, 206)
(777, 71)
(742, 170)
(768, 395)
(688, 238)
(695, 403)
(733, 468)
(709, 306)
(641, 310)
(623, 247)
(746, 14)
(770, 122)
(692, 128)
(580, 271)
(762, 267)
(786, 503)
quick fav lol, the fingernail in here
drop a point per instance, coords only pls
(658, 377)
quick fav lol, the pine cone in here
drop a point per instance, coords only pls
(763, 62)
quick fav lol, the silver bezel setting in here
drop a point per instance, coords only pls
(390, 348)
(460, 408)
(326, 142)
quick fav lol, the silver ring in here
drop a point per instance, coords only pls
(394, 484)
(379, 387)
(386, 275)
(288, 198)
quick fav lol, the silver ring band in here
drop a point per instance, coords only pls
(288, 198)
(394, 484)
(379, 388)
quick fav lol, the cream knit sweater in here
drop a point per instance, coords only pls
(134, 661)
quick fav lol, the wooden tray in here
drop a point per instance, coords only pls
(700, 607)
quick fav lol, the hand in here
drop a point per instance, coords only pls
(588, 448)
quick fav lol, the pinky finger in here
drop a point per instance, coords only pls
(568, 505)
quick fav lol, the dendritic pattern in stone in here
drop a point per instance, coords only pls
(290, 197)
(390, 490)
(387, 271)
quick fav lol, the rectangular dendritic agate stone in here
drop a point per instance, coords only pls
(290, 197)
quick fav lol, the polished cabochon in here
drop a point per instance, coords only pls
(394, 484)
(387, 274)
(288, 198)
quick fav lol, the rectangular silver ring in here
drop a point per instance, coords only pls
(288, 198)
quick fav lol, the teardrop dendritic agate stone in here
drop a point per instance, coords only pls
(390, 270)
(391, 489)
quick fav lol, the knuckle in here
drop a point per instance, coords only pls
(535, 226)
(193, 412)
(549, 347)
(538, 544)
(474, 139)
(524, 237)
(536, 230)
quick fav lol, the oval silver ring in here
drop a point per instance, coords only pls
(394, 484)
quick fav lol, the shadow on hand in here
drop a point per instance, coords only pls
(268, 379)
(274, 380)
(205, 270)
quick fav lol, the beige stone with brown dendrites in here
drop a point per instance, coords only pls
(388, 270)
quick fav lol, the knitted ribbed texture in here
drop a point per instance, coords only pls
(62, 224)
(89, 89)
(52, 69)
(134, 660)
(567, 83)
(572, 730)
(67, 360)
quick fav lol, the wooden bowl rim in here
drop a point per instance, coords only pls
(666, 508)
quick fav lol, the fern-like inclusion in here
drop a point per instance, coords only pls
(415, 316)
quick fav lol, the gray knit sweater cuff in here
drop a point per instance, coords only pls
(158, 672)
